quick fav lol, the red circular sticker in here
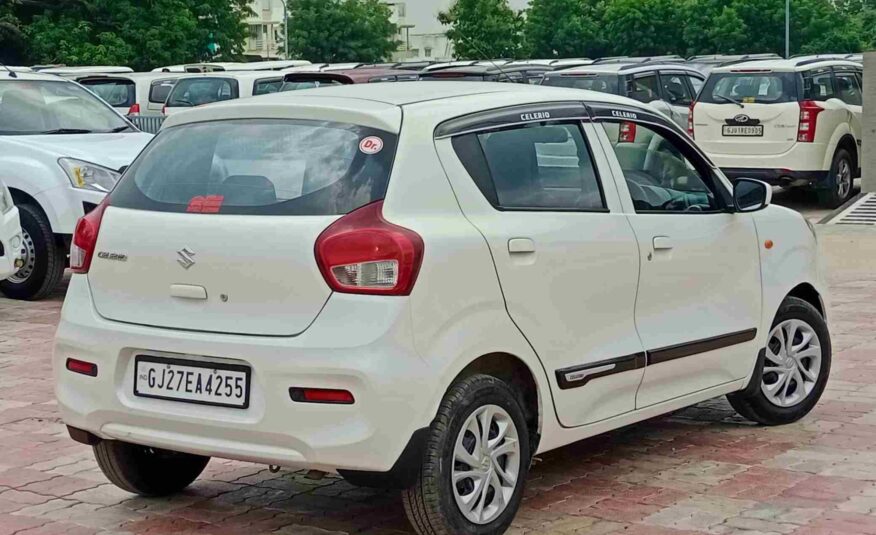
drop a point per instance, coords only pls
(371, 145)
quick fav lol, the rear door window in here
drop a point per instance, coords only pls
(697, 84)
(260, 167)
(534, 167)
(159, 89)
(848, 88)
(645, 88)
(750, 88)
(267, 86)
(675, 89)
(118, 93)
(199, 91)
(818, 85)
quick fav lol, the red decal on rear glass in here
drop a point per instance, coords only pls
(205, 204)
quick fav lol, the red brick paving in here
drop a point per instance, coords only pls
(699, 471)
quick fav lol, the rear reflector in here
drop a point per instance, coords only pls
(83, 367)
(321, 395)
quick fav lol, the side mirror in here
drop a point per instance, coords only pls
(122, 169)
(751, 195)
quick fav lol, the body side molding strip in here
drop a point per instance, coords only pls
(577, 376)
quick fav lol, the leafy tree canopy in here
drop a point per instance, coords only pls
(139, 33)
(341, 30)
(484, 29)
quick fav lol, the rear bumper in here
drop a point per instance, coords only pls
(375, 360)
(10, 242)
(777, 177)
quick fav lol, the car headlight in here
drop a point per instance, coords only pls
(87, 175)
(5, 200)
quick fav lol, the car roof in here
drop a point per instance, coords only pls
(105, 69)
(129, 76)
(379, 105)
(786, 65)
(628, 68)
(357, 76)
(243, 76)
(22, 76)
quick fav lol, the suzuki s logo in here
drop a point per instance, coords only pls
(185, 258)
(742, 118)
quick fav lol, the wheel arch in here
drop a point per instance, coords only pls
(514, 371)
(848, 142)
(808, 293)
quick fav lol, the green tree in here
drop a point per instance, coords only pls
(141, 34)
(484, 29)
(13, 43)
(341, 30)
(643, 27)
(565, 28)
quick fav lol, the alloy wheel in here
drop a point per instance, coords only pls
(28, 252)
(843, 179)
(792, 365)
(486, 464)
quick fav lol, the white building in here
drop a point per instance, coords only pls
(265, 29)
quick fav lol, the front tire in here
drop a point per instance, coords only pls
(147, 471)
(44, 258)
(841, 180)
(475, 464)
(796, 367)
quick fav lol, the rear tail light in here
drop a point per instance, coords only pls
(809, 111)
(627, 133)
(362, 253)
(134, 109)
(85, 238)
(164, 110)
(690, 122)
(321, 395)
(82, 367)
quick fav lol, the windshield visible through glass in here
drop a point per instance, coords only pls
(603, 83)
(49, 107)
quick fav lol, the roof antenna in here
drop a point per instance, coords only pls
(12, 73)
(481, 52)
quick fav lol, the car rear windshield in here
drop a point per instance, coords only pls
(604, 83)
(260, 167)
(750, 88)
(199, 91)
(159, 90)
(118, 93)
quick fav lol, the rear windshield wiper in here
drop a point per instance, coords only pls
(68, 131)
(730, 100)
(120, 129)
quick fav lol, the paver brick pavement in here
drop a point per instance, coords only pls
(699, 471)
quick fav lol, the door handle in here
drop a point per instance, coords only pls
(662, 243)
(188, 291)
(521, 246)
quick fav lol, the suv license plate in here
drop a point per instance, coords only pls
(192, 381)
(730, 130)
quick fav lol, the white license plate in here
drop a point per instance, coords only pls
(191, 381)
(729, 130)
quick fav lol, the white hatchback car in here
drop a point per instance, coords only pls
(450, 279)
(790, 122)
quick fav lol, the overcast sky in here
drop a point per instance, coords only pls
(424, 13)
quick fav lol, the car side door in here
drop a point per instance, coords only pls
(699, 295)
(849, 90)
(538, 188)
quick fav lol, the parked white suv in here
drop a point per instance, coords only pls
(10, 234)
(439, 298)
(790, 123)
(61, 149)
(668, 87)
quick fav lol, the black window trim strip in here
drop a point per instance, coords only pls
(637, 361)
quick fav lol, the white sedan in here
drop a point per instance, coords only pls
(421, 286)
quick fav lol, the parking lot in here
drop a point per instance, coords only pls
(700, 470)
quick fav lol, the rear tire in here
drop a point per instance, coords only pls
(147, 471)
(840, 180)
(434, 504)
(806, 367)
(44, 258)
